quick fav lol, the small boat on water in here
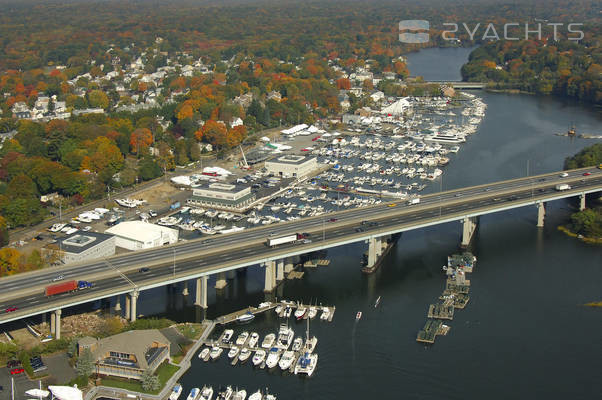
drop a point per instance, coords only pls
(239, 395)
(313, 311)
(273, 357)
(242, 338)
(286, 360)
(358, 315)
(297, 343)
(233, 352)
(245, 353)
(285, 337)
(256, 396)
(254, 339)
(194, 394)
(246, 317)
(278, 309)
(225, 393)
(204, 353)
(227, 335)
(206, 393)
(288, 311)
(325, 314)
(175, 392)
(300, 312)
(306, 364)
(258, 357)
(377, 302)
(216, 352)
(268, 341)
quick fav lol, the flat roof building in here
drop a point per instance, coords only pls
(225, 196)
(81, 246)
(291, 166)
(138, 235)
(127, 354)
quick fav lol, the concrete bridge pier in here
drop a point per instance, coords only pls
(469, 225)
(375, 249)
(280, 270)
(128, 307)
(133, 297)
(541, 213)
(201, 292)
(221, 282)
(231, 274)
(582, 202)
(55, 323)
(270, 276)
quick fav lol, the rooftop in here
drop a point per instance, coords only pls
(291, 159)
(141, 231)
(79, 242)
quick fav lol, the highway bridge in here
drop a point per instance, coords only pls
(460, 85)
(198, 259)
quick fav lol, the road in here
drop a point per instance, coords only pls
(119, 274)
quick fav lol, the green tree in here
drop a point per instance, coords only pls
(85, 363)
(98, 99)
(150, 382)
(4, 238)
(148, 169)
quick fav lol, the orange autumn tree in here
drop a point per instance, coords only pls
(140, 139)
(215, 133)
(236, 135)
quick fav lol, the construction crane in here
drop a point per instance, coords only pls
(245, 164)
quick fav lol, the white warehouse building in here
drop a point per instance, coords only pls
(291, 166)
(138, 235)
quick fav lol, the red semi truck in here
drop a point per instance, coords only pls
(64, 287)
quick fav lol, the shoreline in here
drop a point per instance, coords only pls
(582, 238)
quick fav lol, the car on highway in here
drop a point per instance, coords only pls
(58, 278)
(587, 173)
(144, 270)
(332, 220)
(487, 189)
(359, 229)
(458, 195)
(392, 205)
(17, 371)
(541, 180)
(306, 241)
(564, 175)
(11, 309)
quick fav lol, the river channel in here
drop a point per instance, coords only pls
(524, 334)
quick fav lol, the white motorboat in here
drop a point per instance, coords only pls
(216, 352)
(286, 360)
(245, 353)
(227, 335)
(288, 311)
(268, 341)
(377, 302)
(306, 364)
(233, 352)
(300, 312)
(175, 392)
(325, 314)
(310, 344)
(258, 357)
(256, 396)
(239, 395)
(273, 357)
(194, 394)
(204, 353)
(313, 311)
(358, 316)
(246, 317)
(278, 308)
(297, 343)
(56, 227)
(285, 337)
(242, 338)
(225, 394)
(253, 339)
(206, 393)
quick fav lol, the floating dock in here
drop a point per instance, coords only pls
(226, 319)
(441, 311)
(431, 329)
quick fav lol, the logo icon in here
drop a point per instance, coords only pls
(414, 31)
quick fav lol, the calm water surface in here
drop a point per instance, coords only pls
(524, 334)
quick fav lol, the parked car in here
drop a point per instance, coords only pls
(17, 371)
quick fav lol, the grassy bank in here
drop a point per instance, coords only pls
(164, 372)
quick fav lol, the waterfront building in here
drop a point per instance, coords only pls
(80, 246)
(128, 354)
(223, 196)
(138, 235)
(291, 166)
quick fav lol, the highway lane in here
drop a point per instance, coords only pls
(258, 251)
(257, 235)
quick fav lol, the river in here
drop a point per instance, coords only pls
(525, 332)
